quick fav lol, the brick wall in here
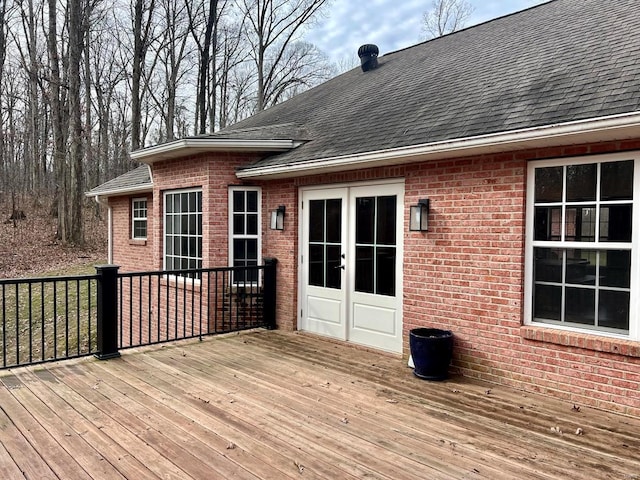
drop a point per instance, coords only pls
(465, 274)
(131, 255)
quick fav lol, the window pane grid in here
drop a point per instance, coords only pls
(183, 231)
(139, 218)
(582, 246)
(245, 232)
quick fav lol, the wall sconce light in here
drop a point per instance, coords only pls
(419, 216)
(277, 218)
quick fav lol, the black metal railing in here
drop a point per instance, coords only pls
(46, 319)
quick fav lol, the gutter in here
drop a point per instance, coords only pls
(190, 146)
(615, 127)
(100, 201)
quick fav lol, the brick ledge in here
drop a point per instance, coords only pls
(137, 241)
(628, 348)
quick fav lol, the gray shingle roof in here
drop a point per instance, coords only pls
(562, 61)
(135, 180)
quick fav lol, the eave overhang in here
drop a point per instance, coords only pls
(192, 146)
(121, 191)
(611, 128)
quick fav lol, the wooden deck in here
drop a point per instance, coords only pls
(285, 405)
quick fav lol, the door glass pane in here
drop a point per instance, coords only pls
(386, 221)
(581, 182)
(316, 265)
(334, 220)
(316, 221)
(615, 223)
(548, 185)
(365, 214)
(613, 310)
(364, 269)
(386, 271)
(616, 181)
(334, 271)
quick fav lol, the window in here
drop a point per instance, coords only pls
(139, 218)
(244, 227)
(183, 230)
(580, 244)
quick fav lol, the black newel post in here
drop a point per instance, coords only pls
(107, 311)
(269, 293)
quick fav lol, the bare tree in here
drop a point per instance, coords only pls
(445, 16)
(143, 12)
(273, 26)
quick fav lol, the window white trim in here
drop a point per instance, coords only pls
(168, 232)
(633, 246)
(135, 218)
(232, 236)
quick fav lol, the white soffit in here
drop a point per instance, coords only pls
(192, 146)
(618, 127)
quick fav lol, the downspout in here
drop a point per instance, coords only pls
(100, 201)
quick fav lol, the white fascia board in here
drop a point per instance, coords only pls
(616, 127)
(191, 146)
(122, 191)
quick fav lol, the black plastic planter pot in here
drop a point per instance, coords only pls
(431, 351)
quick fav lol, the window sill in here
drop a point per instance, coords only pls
(628, 348)
(140, 242)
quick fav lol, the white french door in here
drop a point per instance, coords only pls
(351, 263)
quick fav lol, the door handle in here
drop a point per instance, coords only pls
(340, 266)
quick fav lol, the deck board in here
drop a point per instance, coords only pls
(275, 405)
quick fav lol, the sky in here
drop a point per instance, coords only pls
(390, 24)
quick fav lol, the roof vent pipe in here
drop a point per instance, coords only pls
(368, 57)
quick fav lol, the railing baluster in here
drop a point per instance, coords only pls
(89, 316)
(30, 323)
(149, 307)
(17, 325)
(4, 327)
(43, 322)
(66, 318)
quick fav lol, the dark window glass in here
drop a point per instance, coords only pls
(199, 202)
(192, 247)
(365, 215)
(238, 224)
(580, 305)
(547, 223)
(580, 224)
(581, 267)
(386, 221)
(184, 224)
(193, 224)
(177, 224)
(199, 254)
(199, 224)
(168, 248)
(169, 227)
(613, 310)
(615, 268)
(581, 182)
(252, 224)
(333, 267)
(252, 249)
(169, 203)
(316, 221)
(238, 201)
(176, 245)
(316, 265)
(386, 271)
(192, 201)
(616, 181)
(548, 185)
(184, 248)
(615, 223)
(548, 265)
(364, 269)
(334, 221)
(239, 251)
(547, 302)
(252, 201)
